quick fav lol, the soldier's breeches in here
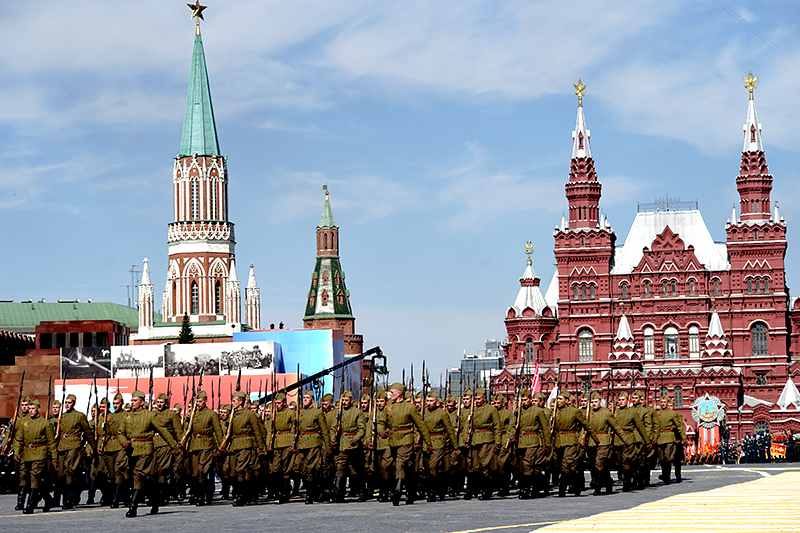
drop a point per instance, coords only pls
(436, 462)
(500, 461)
(599, 457)
(178, 466)
(309, 462)
(199, 464)
(369, 462)
(480, 459)
(30, 473)
(141, 469)
(529, 461)
(568, 457)
(403, 457)
(666, 452)
(117, 463)
(386, 463)
(280, 463)
(629, 456)
(244, 463)
(163, 463)
(68, 463)
(348, 462)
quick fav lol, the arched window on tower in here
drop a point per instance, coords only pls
(529, 350)
(755, 234)
(195, 199)
(582, 242)
(324, 241)
(580, 140)
(647, 289)
(694, 341)
(677, 394)
(576, 292)
(753, 133)
(583, 292)
(585, 345)
(214, 214)
(671, 346)
(217, 299)
(766, 286)
(649, 343)
(666, 291)
(691, 287)
(759, 334)
(324, 298)
(624, 290)
(749, 286)
(195, 299)
(174, 299)
(716, 287)
(591, 292)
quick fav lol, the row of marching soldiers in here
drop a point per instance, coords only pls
(394, 444)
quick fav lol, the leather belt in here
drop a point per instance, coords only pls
(309, 432)
(201, 436)
(401, 429)
(480, 430)
(75, 435)
(565, 432)
(241, 436)
(349, 434)
(284, 431)
(436, 434)
(529, 432)
(142, 440)
(36, 445)
(601, 432)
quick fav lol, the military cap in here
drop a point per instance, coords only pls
(104, 401)
(398, 386)
(664, 397)
(525, 393)
(347, 394)
(34, 401)
(118, 396)
(56, 402)
(539, 396)
(240, 394)
(328, 397)
(138, 394)
(418, 395)
(638, 393)
(365, 398)
(408, 394)
(565, 394)
(584, 395)
(26, 399)
(72, 397)
(202, 394)
(308, 392)
(452, 399)
(480, 391)
(467, 393)
(225, 407)
(280, 396)
(293, 404)
(380, 395)
(162, 396)
(432, 394)
(595, 396)
(177, 406)
(127, 407)
(623, 395)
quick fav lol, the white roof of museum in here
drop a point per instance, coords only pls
(689, 226)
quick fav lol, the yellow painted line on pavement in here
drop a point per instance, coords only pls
(766, 504)
(494, 528)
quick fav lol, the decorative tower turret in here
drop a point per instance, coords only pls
(583, 189)
(252, 301)
(328, 305)
(145, 299)
(716, 350)
(754, 181)
(233, 294)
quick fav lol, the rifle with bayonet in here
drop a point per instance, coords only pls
(518, 384)
(102, 441)
(555, 407)
(150, 405)
(470, 420)
(299, 404)
(89, 401)
(460, 403)
(226, 441)
(61, 412)
(96, 412)
(338, 433)
(188, 433)
(13, 424)
(588, 410)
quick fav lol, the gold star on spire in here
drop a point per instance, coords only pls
(197, 13)
(751, 82)
(580, 89)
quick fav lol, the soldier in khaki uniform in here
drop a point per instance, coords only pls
(346, 443)
(443, 439)
(385, 463)
(567, 426)
(454, 461)
(223, 460)
(33, 443)
(628, 447)
(313, 441)
(111, 449)
(164, 453)
(178, 482)
(501, 461)
(671, 435)
(367, 446)
(398, 427)
(205, 438)
(600, 454)
(279, 450)
(74, 430)
(649, 454)
(23, 488)
(483, 440)
(532, 441)
(328, 466)
(244, 442)
(136, 435)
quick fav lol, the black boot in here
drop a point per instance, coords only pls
(411, 489)
(117, 496)
(134, 505)
(48, 500)
(678, 478)
(225, 493)
(33, 501)
(92, 492)
(431, 491)
(470, 487)
(199, 494)
(562, 485)
(397, 493)
(666, 475)
(386, 489)
(626, 480)
(609, 483)
(338, 489)
(209, 493)
(486, 493)
(524, 488)
(155, 497)
(67, 504)
(23, 493)
(578, 483)
(310, 490)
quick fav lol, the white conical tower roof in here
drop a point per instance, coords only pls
(551, 296)
(251, 280)
(232, 273)
(752, 127)
(623, 342)
(529, 295)
(716, 344)
(145, 273)
(776, 216)
(580, 137)
(789, 396)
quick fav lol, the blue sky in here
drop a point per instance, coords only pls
(443, 130)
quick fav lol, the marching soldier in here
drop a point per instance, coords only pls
(677, 462)
(501, 461)
(280, 451)
(136, 432)
(178, 482)
(24, 489)
(244, 443)
(398, 427)
(313, 441)
(164, 453)
(628, 447)
(650, 451)
(443, 439)
(116, 459)
(74, 429)
(600, 454)
(483, 440)
(453, 460)
(346, 443)
(223, 463)
(33, 443)
(671, 436)
(532, 442)
(382, 450)
(205, 436)
(328, 466)
(367, 448)
(567, 425)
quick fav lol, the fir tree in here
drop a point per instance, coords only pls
(186, 336)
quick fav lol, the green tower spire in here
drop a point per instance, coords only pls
(199, 131)
(326, 220)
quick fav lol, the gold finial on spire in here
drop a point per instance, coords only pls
(529, 249)
(751, 82)
(325, 188)
(580, 89)
(197, 13)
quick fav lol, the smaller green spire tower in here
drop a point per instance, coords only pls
(199, 130)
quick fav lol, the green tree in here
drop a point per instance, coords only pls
(186, 336)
